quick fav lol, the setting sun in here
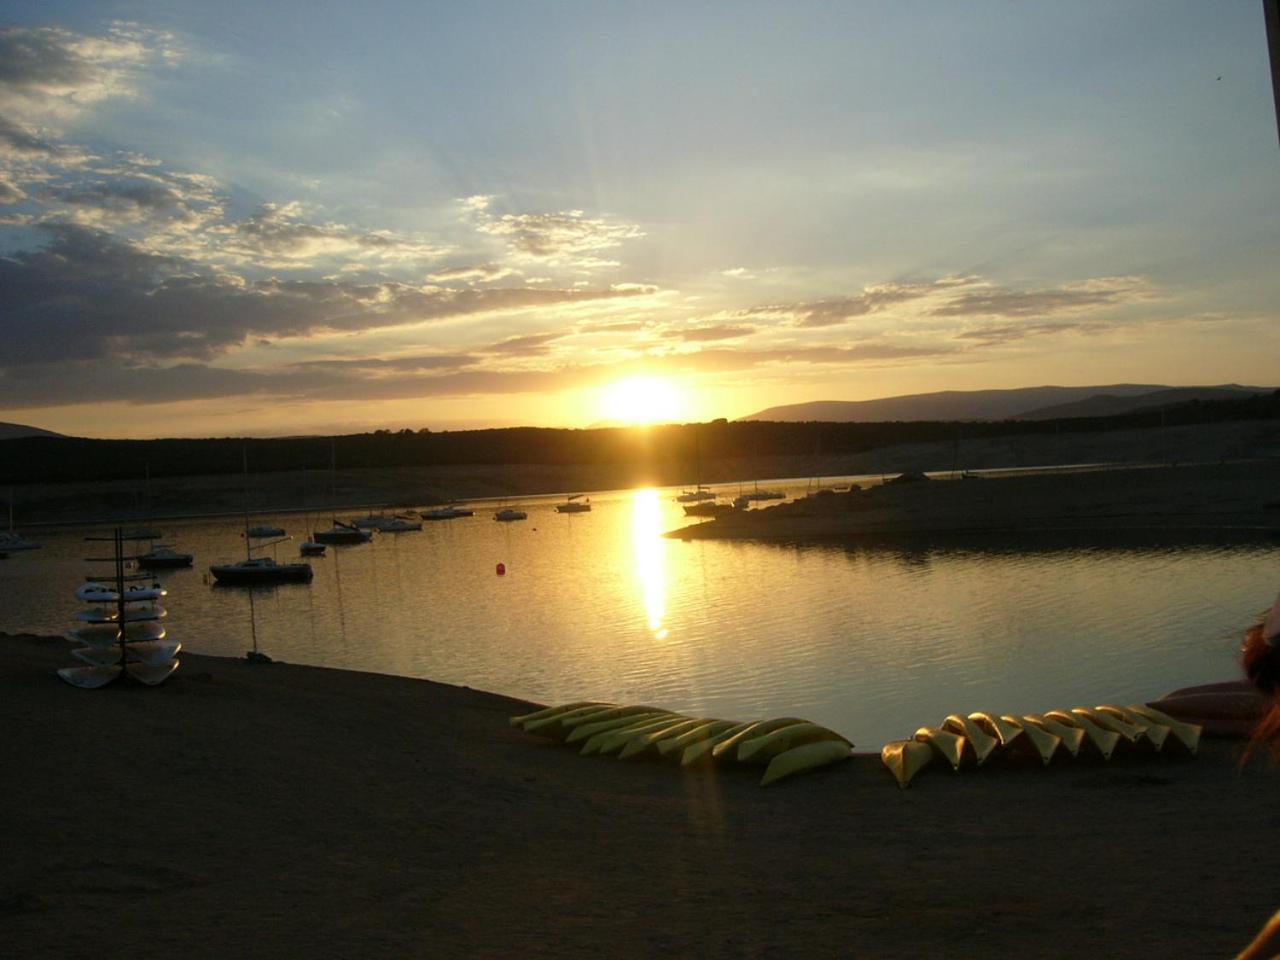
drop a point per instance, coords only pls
(641, 400)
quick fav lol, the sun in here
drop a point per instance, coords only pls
(642, 400)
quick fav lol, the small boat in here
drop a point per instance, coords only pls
(399, 524)
(341, 533)
(448, 512)
(373, 521)
(758, 494)
(695, 496)
(265, 530)
(574, 505)
(309, 548)
(163, 555)
(11, 542)
(101, 593)
(507, 514)
(260, 570)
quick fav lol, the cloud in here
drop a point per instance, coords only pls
(738, 273)
(49, 75)
(704, 334)
(89, 295)
(276, 237)
(530, 345)
(839, 310)
(1071, 298)
(568, 238)
(477, 273)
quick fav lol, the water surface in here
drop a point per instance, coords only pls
(871, 640)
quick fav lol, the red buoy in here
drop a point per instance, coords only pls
(502, 569)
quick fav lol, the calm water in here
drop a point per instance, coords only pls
(871, 641)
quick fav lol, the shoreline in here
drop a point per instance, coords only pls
(1233, 497)
(279, 811)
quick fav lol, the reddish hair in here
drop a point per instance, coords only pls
(1261, 662)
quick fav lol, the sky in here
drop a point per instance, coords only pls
(312, 217)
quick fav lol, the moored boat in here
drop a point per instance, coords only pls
(260, 570)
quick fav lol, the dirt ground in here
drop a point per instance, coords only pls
(271, 810)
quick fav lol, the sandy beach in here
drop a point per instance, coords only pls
(283, 811)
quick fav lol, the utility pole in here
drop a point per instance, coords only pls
(1271, 11)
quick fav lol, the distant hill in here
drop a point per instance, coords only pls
(12, 431)
(1025, 403)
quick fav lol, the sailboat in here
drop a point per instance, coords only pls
(11, 542)
(574, 504)
(699, 493)
(339, 533)
(252, 571)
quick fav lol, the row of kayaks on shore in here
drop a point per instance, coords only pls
(966, 742)
(785, 745)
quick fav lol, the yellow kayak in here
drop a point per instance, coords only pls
(1187, 734)
(1071, 737)
(696, 751)
(764, 748)
(609, 741)
(593, 726)
(1103, 741)
(1129, 732)
(553, 726)
(1036, 739)
(979, 741)
(642, 742)
(553, 711)
(709, 728)
(1002, 728)
(949, 745)
(1155, 733)
(758, 729)
(905, 758)
(806, 757)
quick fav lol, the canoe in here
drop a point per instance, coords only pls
(764, 748)
(905, 758)
(570, 721)
(697, 751)
(1186, 734)
(1072, 737)
(1102, 741)
(809, 756)
(546, 712)
(643, 742)
(708, 729)
(1156, 734)
(1002, 728)
(151, 673)
(978, 741)
(89, 678)
(1033, 740)
(1224, 710)
(728, 745)
(949, 745)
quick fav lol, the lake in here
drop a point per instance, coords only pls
(873, 641)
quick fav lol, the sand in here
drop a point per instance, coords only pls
(273, 810)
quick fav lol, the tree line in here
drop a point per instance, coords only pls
(679, 447)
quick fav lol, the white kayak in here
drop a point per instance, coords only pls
(107, 634)
(130, 616)
(146, 651)
(89, 678)
(96, 593)
(151, 673)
